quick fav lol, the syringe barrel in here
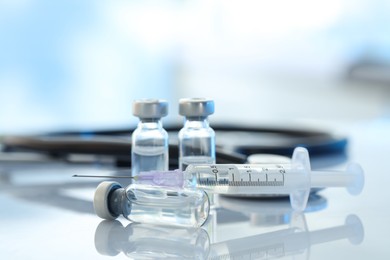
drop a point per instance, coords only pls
(248, 179)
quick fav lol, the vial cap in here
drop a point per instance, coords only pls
(150, 108)
(196, 107)
(100, 200)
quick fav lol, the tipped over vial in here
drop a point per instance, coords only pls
(152, 205)
(149, 147)
(196, 138)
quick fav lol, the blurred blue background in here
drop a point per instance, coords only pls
(78, 65)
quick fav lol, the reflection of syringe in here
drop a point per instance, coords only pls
(150, 242)
(295, 179)
(291, 241)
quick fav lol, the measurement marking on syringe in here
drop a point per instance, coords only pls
(269, 179)
(208, 182)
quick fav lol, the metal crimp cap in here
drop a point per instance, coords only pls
(196, 107)
(150, 108)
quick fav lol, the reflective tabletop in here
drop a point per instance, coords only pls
(47, 214)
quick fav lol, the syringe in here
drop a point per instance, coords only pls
(295, 179)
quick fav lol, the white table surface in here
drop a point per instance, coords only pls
(46, 214)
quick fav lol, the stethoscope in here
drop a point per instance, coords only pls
(233, 143)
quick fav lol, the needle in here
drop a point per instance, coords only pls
(104, 176)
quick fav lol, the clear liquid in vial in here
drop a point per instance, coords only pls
(149, 159)
(187, 160)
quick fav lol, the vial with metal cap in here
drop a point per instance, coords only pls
(196, 138)
(152, 204)
(149, 149)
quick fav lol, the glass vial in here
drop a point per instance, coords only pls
(149, 148)
(152, 204)
(196, 138)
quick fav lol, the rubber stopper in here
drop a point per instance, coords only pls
(100, 200)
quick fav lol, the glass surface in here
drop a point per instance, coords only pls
(48, 214)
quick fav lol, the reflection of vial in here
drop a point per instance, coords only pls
(149, 141)
(152, 205)
(139, 241)
(196, 138)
